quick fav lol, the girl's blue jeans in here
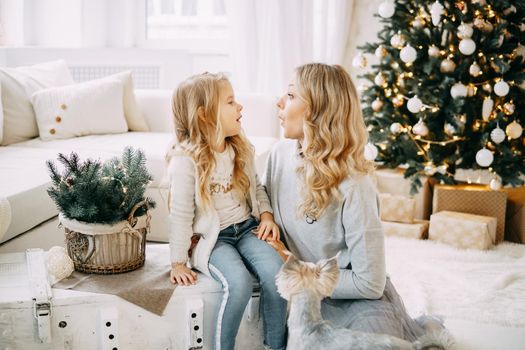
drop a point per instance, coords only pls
(237, 255)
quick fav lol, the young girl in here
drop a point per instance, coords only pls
(216, 198)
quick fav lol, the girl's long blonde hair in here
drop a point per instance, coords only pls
(196, 113)
(334, 134)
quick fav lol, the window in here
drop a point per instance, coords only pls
(190, 24)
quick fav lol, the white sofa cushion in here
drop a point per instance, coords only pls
(92, 107)
(134, 118)
(18, 84)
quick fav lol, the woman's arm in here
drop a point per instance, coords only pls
(182, 207)
(365, 277)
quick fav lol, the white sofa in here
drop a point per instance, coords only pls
(28, 217)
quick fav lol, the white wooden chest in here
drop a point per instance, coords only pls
(82, 320)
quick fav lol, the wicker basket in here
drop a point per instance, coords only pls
(107, 249)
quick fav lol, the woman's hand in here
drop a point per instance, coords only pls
(181, 274)
(267, 229)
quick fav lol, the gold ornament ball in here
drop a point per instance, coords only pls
(514, 130)
(397, 101)
(474, 69)
(433, 51)
(509, 108)
(377, 105)
(447, 66)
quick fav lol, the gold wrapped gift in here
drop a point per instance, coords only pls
(463, 230)
(515, 224)
(417, 230)
(392, 181)
(472, 199)
(396, 208)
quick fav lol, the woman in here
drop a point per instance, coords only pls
(325, 202)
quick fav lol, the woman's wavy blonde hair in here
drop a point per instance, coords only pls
(335, 134)
(196, 113)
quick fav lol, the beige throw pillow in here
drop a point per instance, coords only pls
(18, 84)
(134, 117)
(92, 107)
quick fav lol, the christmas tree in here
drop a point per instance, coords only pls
(448, 90)
(96, 192)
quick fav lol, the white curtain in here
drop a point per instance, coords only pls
(270, 38)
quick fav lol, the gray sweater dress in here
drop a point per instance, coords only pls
(364, 298)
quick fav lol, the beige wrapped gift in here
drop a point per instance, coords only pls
(392, 181)
(416, 230)
(472, 199)
(396, 208)
(463, 230)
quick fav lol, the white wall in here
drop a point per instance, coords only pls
(116, 24)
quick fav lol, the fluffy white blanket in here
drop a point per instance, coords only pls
(483, 286)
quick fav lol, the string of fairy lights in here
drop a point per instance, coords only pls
(495, 90)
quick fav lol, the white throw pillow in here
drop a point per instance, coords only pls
(134, 117)
(18, 84)
(92, 107)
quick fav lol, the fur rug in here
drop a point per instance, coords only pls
(483, 286)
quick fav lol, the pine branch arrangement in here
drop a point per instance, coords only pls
(96, 192)
(447, 91)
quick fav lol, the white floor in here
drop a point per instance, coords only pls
(478, 336)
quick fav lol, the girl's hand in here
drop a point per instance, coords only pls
(267, 229)
(181, 274)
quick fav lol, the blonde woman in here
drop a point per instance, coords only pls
(325, 202)
(216, 196)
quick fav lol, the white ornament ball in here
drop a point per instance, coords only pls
(379, 79)
(429, 170)
(377, 104)
(418, 23)
(380, 51)
(495, 184)
(514, 130)
(474, 69)
(465, 30)
(408, 54)
(501, 88)
(449, 129)
(371, 151)
(59, 264)
(433, 51)
(447, 66)
(359, 61)
(467, 46)
(420, 128)
(386, 9)
(396, 128)
(484, 157)
(458, 90)
(397, 41)
(442, 169)
(414, 105)
(497, 135)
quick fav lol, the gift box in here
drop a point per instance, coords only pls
(417, 230)
(396, 208)
(463, 230)
(515, 218)
(472, 199)
(392, 181)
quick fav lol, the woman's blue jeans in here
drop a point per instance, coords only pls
(237, 255)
